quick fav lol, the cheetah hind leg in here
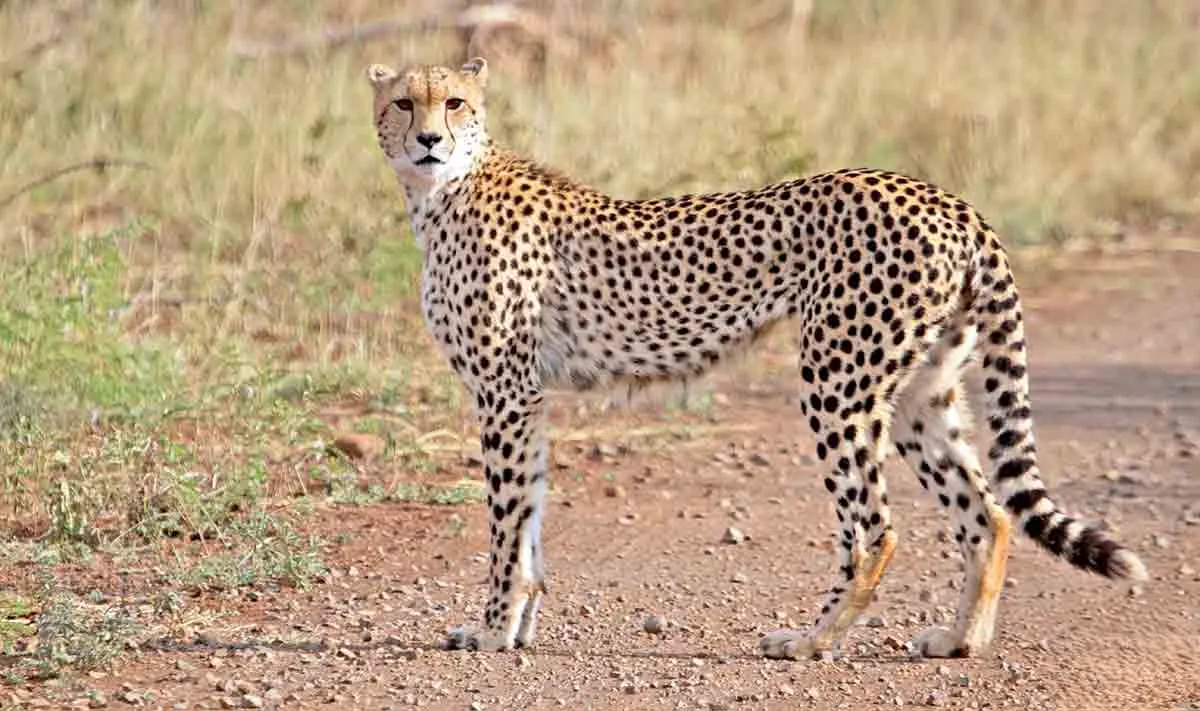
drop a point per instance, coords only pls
(931, 432)
(842, 609)
(864, 517)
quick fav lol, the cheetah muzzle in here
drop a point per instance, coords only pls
(531, 280)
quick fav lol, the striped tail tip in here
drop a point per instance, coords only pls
(1125, 565)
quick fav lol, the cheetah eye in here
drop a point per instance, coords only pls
(454, 104)
(404, 104)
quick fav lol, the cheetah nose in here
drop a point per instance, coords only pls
(428, 139)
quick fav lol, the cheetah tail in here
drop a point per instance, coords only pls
(1016, 478)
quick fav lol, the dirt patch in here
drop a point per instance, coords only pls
(635, 528)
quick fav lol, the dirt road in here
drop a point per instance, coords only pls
(641, 504)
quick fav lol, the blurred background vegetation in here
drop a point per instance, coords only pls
(206, 275)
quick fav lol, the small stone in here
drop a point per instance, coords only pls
(927, 595)
(253, 701)
(739, 578)
(477, 706)
(733, 536)
(935, 698)
(654, 624)
(944, 670)
(357, 446)
(98, 700)
(1161, 541)
(614, 491)
(894, 643)
(1136, 591)
(876, 622)
(812, 693)
(228, 702)
(759, 460)
(131, 697)
(1186, 570)
(786, 690)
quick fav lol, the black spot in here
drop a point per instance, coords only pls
(1014, 468)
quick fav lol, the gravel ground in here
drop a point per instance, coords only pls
(669, 559)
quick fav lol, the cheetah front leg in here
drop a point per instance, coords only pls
(514, 453)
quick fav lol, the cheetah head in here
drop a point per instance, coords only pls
(430, 120)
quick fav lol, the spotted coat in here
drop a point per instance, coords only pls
(533, 281)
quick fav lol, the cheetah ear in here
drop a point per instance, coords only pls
(381, 75)
(478, 68)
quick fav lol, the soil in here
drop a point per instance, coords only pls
(638, 524)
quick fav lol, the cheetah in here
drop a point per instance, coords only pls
(531, 280)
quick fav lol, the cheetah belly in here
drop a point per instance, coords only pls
(586, 347)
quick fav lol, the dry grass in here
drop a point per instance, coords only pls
(172, 339)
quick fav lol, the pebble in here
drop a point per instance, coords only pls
(654, 624)
(739, 578)
(935, 698)
(614, 491)
(253, 701)
(876, 622)
(733, 536)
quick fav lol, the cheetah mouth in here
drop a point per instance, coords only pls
(429, 160)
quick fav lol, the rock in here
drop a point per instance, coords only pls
(739, 578)
(935, 698)
(98, 700)
(1136, 591)
(876, 622)
(253, 701)
(614, 491)
(228, 702)
(733, 536)
(812, 693)
(357, 446)
(131, 697)
(654, 624)
(759, 460)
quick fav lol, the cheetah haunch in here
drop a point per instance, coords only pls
(531, 280)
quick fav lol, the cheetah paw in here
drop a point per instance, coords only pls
(470, 637)
(939, 642)
(790, 644)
